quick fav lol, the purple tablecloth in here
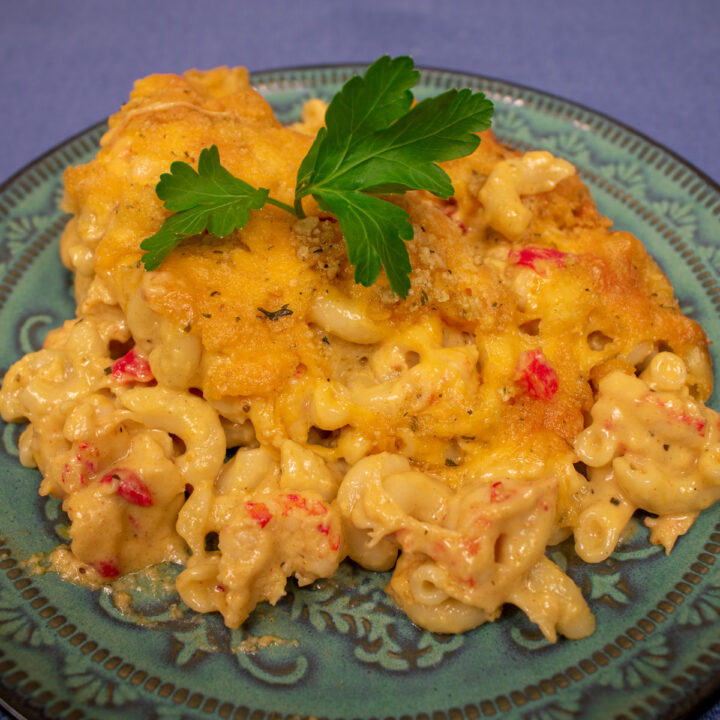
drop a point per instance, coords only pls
(652, 64)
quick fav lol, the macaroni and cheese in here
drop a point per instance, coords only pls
(249, 412)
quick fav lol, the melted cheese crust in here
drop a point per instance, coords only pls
(445, 428)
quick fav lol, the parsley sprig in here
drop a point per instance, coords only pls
(375, 142)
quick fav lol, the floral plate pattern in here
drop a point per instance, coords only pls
(341, 649)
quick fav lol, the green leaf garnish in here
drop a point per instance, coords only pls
(375, 143)
(210, 199)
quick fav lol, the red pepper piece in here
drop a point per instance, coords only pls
(132, 367)
(259, 513)
(129, 486)
(107, 569)
(315, 507)
(450, 207)
(536, 375)
(530, 255)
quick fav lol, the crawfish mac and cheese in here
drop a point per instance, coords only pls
(250, 412)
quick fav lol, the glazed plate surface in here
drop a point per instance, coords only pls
(341, 649)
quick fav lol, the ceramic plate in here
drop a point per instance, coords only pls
(341, 650)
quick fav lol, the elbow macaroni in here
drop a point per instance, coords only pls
(651, 446)
(179, 420)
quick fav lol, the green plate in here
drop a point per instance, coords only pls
(341, 650)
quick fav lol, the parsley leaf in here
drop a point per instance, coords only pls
(210, 199)
(375, 142)
(374, 230)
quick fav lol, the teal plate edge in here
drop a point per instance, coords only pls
(340, 650)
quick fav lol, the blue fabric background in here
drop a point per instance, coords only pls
(652, 64)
